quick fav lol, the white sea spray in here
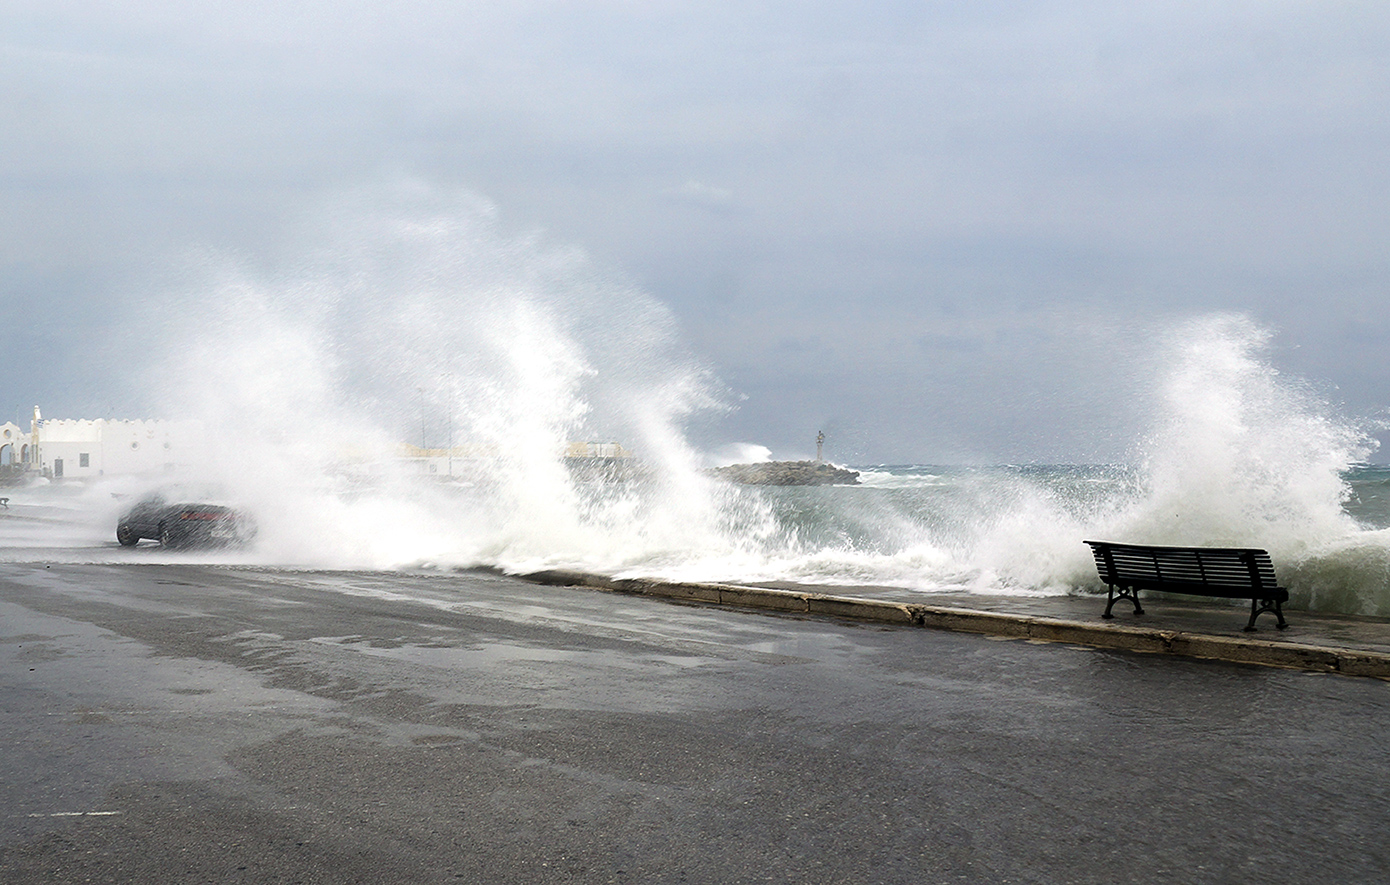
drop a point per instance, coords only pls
(404, 391)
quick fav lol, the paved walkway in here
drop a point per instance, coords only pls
(1187, 614)
(1187, 626)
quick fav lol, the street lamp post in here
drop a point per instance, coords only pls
(421, 391)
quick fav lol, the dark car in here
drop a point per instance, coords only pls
(185, 517)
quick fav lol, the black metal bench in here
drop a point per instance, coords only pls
(1229, 572)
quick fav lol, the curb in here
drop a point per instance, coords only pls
(1289, 655)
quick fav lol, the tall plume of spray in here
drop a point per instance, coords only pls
(1246, 456)
(1242, 454)
(414, 320)
(1236, 454)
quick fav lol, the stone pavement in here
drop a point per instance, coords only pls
(1172, 612)
(1181, 625)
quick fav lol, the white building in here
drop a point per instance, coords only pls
(14, 446)
(83, 448)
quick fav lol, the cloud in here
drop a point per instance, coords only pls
(891, 180)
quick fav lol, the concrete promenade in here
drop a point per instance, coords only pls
(1171, 624)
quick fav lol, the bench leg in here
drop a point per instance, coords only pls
(1125, 593)
(1259, 607)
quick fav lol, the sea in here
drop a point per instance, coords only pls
(908, 531)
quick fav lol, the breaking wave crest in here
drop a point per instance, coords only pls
(409, 393)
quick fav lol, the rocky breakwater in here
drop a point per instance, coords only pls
(788, 473)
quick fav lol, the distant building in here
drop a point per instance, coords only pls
(444, 462)
(469, 456)
(83, 448)
(596, 450)
(14, 446)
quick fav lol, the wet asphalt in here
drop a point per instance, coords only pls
(195, 723)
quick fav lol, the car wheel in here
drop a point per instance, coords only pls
(167, 538)
(126, 535)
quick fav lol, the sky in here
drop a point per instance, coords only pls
(940, 232)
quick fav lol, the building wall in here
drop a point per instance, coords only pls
(12, 443)
(111, 447)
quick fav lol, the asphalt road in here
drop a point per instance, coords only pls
(191, 723)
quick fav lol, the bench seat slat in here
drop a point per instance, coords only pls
(1197, 588)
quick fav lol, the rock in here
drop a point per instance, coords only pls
(788, 473)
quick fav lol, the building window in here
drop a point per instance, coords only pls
(84, 459)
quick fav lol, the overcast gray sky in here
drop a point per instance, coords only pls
(939, 231)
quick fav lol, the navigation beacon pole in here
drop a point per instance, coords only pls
(820, 444)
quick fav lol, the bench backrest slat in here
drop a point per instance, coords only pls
(1230, 567)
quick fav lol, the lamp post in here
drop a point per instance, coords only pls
(421, 391)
